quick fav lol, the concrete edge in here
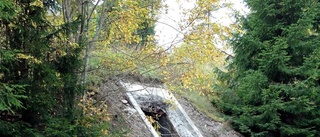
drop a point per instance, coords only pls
(143, 116)
(186, 116)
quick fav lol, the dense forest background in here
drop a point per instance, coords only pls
(54, 54)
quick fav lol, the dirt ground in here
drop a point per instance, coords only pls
(125, 121)
(207, 126)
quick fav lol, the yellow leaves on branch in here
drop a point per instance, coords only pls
(206, 5)
(28, 57)
(164, 61)
(198, 54)
(129, 15)
(94, 114)
(124, 58)
(37, 3)
(196, 70)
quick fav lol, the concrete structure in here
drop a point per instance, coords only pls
(143, 97)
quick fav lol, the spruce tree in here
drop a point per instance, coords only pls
(272, 87)
(38, 86)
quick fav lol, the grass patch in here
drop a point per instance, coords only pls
(203, 104)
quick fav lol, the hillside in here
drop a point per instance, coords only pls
(126, 120)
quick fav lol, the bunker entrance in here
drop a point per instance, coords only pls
(157, 116)
(161, 111)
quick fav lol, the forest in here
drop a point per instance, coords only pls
(55, 54)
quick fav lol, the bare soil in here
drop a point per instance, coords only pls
(125, 121)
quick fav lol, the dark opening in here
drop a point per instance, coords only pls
(162, 123)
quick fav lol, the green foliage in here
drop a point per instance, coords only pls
(10, 96)
(17, 129)
(7, 10)
(273, 84)
(38, 84)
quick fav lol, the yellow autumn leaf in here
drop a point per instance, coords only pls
(37, 3)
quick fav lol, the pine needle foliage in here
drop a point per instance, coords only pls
(37, 90)
(272, 87)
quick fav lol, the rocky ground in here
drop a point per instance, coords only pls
(126, 121)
